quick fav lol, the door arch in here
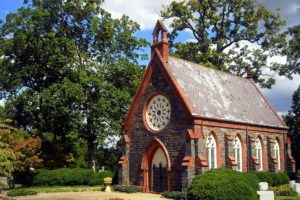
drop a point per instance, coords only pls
(154, 148)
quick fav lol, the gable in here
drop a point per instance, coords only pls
(157, 61)
(219, 95)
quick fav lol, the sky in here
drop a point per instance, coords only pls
(146, 13)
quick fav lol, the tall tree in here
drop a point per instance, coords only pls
(292, 120)
(292, 52)
(219, 27)
(61, 70)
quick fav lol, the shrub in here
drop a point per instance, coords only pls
(222, 184)
(98, 178)
(21, 192)
(176, 195)
(127, 188)
(273, 179)
(67, 176)
(284, 190)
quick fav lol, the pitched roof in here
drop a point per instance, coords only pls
(220, 95)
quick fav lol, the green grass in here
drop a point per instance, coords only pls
(49, 189)
(287, 197)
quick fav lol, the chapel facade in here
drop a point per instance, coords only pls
(186, 119)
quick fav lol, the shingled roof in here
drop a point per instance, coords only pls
(220, 95)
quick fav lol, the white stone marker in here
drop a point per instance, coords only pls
(297, 187)
(263, 186)
(266, 195)
(291, 183)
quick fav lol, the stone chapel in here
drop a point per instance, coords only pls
(186, 119)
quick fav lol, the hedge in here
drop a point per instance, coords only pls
(272, 178)
(21, 192)
(223, 183)
(68, 176)
(176, 195)
(127, 189)
(284, 190)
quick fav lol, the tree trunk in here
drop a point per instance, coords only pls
(91, 154)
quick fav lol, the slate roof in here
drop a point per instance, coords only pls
(220, 95)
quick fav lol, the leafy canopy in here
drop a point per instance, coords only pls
(221, 28)
(70, 71)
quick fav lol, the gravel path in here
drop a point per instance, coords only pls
(92, 196)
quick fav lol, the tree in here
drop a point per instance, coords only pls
(61, 69)
(219, 27)
(23, 147)
(292, 120)
(6, 160)
(292, 52)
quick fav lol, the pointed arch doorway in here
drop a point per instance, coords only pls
(156, 168)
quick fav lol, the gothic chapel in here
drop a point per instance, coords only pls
(186, 119)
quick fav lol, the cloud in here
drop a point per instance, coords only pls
(145, 12)
(289, 10)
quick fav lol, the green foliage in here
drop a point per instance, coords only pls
(273, 179)
(6, 159)
(284, 190)
(127, 189)
(21, 192)
(69, 71)
(222, 184)
(50, 189)
(221, 28)
(292, 120)
(176, 195)
(66, 176)
(292, 52)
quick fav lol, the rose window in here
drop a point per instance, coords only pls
(158, 112)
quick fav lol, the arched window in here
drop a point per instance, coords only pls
(277, 153)
(211, 154)
(258, 150)
(237, 146)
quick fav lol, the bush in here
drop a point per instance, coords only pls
(176, 195)
(67, 176)
(98, 178)
(284, 190)
(273, 179)
(222, 184)
(127, 188)
(21, 192)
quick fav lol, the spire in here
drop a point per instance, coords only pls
(160, 43)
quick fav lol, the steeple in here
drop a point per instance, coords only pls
(160, 43)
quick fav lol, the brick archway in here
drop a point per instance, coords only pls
(147, 164)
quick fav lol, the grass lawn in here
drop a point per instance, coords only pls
(22, 191)
(287, 197)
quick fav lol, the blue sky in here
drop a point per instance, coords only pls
(145, 12)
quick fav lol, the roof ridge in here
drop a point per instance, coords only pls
(228, 73)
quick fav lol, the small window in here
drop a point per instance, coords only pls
(211, 149)
(237, 146)
(258, 150)
(277, 153)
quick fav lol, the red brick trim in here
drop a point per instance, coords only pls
(219, 151)
(291, 159)
(122, 160)
(147, 160)
(235, 125)
(232, 161)
(179, 93)
(187, 161)
(274, 160)
(201, 160)
(255, 160)
(126, 138)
